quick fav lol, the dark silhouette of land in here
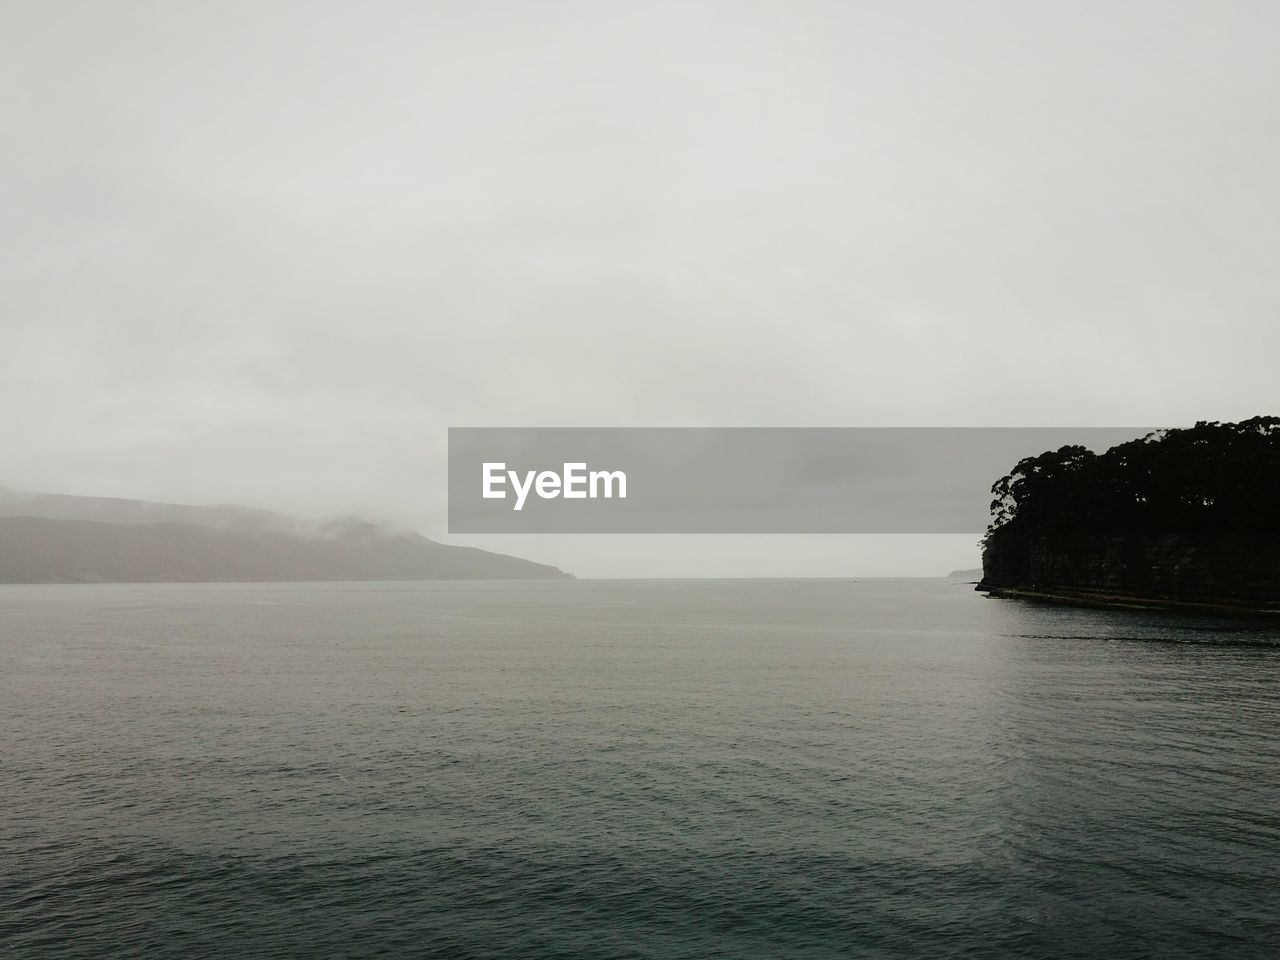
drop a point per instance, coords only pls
(1183, 518)
(47, 538)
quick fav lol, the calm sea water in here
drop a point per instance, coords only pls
(630, 769)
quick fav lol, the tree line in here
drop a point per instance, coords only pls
(1202, 482)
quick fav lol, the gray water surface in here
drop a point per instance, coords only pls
(630, 769)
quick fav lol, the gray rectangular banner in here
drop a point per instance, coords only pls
(740, 480)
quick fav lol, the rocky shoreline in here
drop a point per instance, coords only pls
(1100, 600)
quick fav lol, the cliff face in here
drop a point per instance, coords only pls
(1227, 572)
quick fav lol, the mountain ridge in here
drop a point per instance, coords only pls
(59, 538)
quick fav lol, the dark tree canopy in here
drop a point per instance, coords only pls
(1207, 481)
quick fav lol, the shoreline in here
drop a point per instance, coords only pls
(1114, 601)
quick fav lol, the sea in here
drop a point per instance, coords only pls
(631, 769)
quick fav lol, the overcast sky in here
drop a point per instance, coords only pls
(268, 252)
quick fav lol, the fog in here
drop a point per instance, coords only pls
(267, 253)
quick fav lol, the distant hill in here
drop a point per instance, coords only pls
(975, 574)
(48, 538)
(57, 506)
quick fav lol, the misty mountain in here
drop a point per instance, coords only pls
(53, 538)
(57, 506)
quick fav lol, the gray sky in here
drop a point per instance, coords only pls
(267, 252)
